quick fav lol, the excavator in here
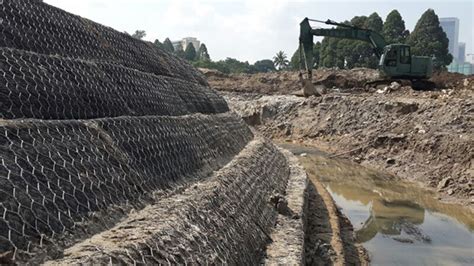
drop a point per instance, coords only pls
(395, 60)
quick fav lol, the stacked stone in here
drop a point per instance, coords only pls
(94, 124)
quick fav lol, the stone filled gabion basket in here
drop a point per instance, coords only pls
(113, 150)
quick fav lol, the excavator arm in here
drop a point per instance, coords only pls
(343, 31)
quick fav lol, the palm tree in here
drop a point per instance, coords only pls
(281, 60)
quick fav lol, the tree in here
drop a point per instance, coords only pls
(329, 53)
(295, 59)
(265, 65)
(139, 34)
(180, 52)
(354, 53)
(202, 53)
(168, 46)
(332, 51)
(280, 60)
(219, 65)
(429, 39)
(367, 58)
(394, 28)
(158, 44)
(190, 52)
(235, 66)
(374, 22)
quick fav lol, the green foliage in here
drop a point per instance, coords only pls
(168, 46)
(220, 65)
(374, 22)
(365, 56)
(180, 52)
(265, 65)
(280, 60)
(158, 44)
(139, 34)
(229, 65)
(190, 52)
(346, 53)
(235, 66)
(329, 53)
(394, 28)
(429, 39)
(232, 66)
(202, 53)
(295, 59)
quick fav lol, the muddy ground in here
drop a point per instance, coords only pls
(423, 136)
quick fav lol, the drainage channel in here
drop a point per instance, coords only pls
(398, 222)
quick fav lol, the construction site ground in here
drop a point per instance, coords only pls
(422, 136)
(425, 137)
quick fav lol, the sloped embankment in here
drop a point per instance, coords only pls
(421, 136)
(112, 149)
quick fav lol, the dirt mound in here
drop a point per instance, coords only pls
(264, 83)
(345, 79)
(422, 136)
(287, 82)
(448, 80)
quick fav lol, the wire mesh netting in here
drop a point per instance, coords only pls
(225, 219)
(52, 87)
(93, 120)
(32, 25)
(54, 174)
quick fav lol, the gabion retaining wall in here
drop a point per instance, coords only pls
(225, 219)
(103, 135)
(31, 25)
(53, 87)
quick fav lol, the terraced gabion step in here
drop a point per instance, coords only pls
(53, 87)
(227, 218)
(113, 150)
(54, 175)
(32, 25)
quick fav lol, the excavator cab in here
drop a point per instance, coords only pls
(396, 60)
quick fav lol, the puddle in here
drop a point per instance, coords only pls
(398, 222)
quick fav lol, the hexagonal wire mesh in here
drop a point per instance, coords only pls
(52, 87)
(56, 175)
(32, 25)
(225, 219)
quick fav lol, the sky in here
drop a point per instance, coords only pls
(251, 30)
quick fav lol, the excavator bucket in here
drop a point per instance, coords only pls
(308, 88)
(306, 59)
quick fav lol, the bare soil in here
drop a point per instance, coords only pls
(287, 82)
(423, 136)
(329, 236)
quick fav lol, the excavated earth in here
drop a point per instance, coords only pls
(114, 151)
(423, 136)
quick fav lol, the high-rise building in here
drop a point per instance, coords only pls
(451, 27)
(462, 53)
(185, 41)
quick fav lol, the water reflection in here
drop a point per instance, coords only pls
(391, 217)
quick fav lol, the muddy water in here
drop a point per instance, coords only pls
(398, 222)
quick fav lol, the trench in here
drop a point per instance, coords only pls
(398, 222)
